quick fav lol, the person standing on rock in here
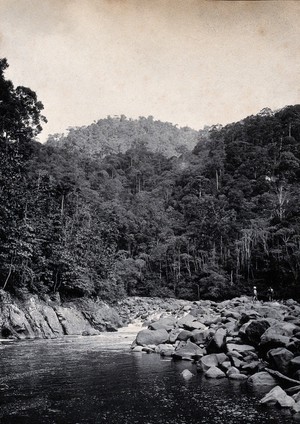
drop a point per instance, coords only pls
(254, 294)
(270, 294)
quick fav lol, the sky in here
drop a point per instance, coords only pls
(188, 62)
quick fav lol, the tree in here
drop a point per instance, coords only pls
(20, 122)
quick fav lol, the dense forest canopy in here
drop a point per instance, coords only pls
(118, 134)
(141, 207)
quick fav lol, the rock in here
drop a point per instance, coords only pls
(199, 336)
(239, 348)
(188, 351)
(296, 407)
(252, 367)
(240, 377)
(184, 335)
(262, 380)
(266, 311)
(218, 342)
(226, 365)
(156, 337)
(236, 362)
(280, 358)
(52, 321)
(137, 349)
(232, 370)
(189, 322)
(211, 360)
(271, 340)
(167, 323)
(43, 319)
(207, 362)
(16, 323)
(246, 316)
(232, 314)
(73, 321)
(254, 330)
(295, 364)
(174, 334)
(214, 372)
(294, 347)
(281, 328)
(278, 396)
(296, 396)
(186, 374)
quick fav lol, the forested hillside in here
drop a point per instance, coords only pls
(118, 134)
(83, 217)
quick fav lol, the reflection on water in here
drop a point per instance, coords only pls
(98, 380)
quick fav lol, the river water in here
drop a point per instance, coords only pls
(99, 380)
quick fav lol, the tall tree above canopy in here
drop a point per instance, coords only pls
(20, 111)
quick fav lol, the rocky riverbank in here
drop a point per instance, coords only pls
(33, 317)
(257, 343)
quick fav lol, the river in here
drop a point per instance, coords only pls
(99, 380)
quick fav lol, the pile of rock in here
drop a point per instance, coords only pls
(236, 339)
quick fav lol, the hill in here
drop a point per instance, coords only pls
(118, 134)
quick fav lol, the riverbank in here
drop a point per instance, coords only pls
(34, 317)
(252, 342)
(238, 339)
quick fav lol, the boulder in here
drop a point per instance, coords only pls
(231, 314)
(164, 349)
(271, 340)
(239, 348)
(232, 370)
(295, 364)
(251, 367)
(184, 335)
(218, 342)
(280, 358)
(214, 372)
(281, 328)
(254, 330)
(174, 334)
(240, 377)
(166, 323)
(262, 380)
(207, 362)
(199, 336)
(211, 360)
(188, 351)
(186, 374)
(236, 362)
(277, 396)
(296, 408)
(189, 322)
(266, 311)
(155, 337)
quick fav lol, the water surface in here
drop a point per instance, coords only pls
(99, 380)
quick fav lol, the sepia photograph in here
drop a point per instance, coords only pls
(149, 212)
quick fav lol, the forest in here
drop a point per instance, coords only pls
(141, 207)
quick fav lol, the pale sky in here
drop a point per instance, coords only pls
(189, 62)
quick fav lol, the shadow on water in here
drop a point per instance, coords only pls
(98, 380)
